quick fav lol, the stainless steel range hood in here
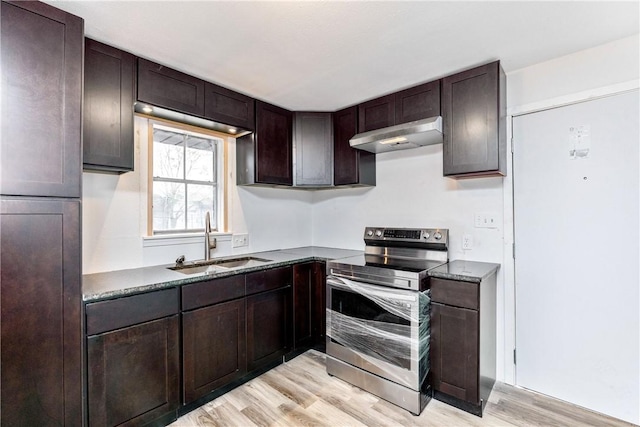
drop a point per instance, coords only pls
(400, 137)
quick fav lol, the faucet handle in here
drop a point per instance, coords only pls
(180, 260)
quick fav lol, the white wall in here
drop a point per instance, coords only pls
(605, 65)
(411, 192)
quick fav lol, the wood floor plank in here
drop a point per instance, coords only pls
(288, 388)
(298, 417)
(226, 415)
(301, 393)
(198, 417)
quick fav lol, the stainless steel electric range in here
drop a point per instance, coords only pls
(378, 313)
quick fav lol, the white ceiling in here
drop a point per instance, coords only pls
(322, 56)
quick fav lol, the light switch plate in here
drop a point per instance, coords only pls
(485, 220)
(240, 240)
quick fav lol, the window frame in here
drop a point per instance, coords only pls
(221, 174)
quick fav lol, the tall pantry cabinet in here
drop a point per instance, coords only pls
(40, 187)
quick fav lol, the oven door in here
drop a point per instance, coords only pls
(379, 329)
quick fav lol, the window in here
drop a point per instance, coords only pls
(186, 172)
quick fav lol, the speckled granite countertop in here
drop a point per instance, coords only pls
(466, 271)
(99, 286)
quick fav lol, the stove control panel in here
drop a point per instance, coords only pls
(411, 236)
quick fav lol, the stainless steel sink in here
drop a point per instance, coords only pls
(213, 266)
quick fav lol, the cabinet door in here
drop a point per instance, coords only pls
(226, 106)
(350, 166)
(303, 303)
(109, 94)
(473, 111)
(41, 342)
(418, 102)
(214, 348)
(314, 149)
(319, 302)
(377, 113)
(133, 373)
(41, 100)
(171, 89)
(308, 304)
(455, 352)
(273, 150)
(268, 327)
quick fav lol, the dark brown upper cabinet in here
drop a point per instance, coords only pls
(265, 156)
(41, 101)
(226, 106)
(313, 140)
(109, 94)
(419, 102)
(350, 166)
(377, 113)
(474, 122)
(167, 88)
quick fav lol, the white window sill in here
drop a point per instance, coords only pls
(181, 239)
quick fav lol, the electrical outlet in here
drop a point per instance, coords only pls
(467, 242)
(240, 240)
(485, 220)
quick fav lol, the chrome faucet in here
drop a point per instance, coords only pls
(208, 242)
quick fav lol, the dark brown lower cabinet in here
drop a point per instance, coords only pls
(454, 351)
(268, 327)
(41, 306)
(214, 348)
(133, 373)
(463, 344)
(308, 304)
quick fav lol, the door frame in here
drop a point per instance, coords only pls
(509, 344)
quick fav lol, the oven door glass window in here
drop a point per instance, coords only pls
(361, 324)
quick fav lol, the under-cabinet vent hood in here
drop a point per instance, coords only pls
(400, 137)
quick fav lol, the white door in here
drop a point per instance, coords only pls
(577, 253)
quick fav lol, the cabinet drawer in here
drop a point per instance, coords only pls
(212, 292)
(452, 292)
(269, 279)
(118, 313)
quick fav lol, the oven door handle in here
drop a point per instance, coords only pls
(395, 282)
(370, 288)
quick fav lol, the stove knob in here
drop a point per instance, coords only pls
(369, 233)
(378, 233)
(437, 235)
(425, 236)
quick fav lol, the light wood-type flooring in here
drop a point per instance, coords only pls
(300, 393)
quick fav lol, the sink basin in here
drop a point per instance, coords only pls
(213, 266)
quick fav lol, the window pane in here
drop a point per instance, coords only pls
(168, 206)
(200, 159)
(200, 199)
(168, 154)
